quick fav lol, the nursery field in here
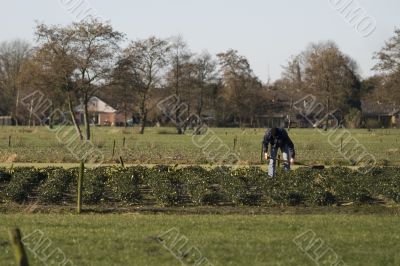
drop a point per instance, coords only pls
(171, 205)
(164, 146)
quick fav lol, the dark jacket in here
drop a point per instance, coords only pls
(281, 140)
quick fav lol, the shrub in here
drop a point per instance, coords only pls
(303, 186)
(204, 187)
(167, 185)
(5, 175)
(245, 185)
(57, 183)
(386, 182)
(349, 185)
(23, 181)
(93, 183)
(215, 192)
(221, 185)
(124, 183)
(287, 188)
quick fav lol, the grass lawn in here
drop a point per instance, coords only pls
(164, 146)
(133, 239)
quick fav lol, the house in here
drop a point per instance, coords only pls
(100, 113)
(380, 115)
(279, 110)
(6, 121)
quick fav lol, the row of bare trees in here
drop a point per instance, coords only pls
(75, 62)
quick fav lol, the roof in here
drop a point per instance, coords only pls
(379, 108)
(95, 105)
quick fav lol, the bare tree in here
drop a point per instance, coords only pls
(179, 60)
(389, 66)
(54, 59)
(88, 48)
(292, 83)
(240, 86)
(143, 62)
(205, 71)
(332, 76)
(12, 56)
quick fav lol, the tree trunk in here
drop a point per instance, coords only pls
(178, 121)
(71, 110)
(143, 114)
(143, 122)
(16, 105)
(327, 115)
(86, 118)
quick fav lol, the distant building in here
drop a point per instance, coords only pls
(100, 113)
(6, 121)
(379, 115)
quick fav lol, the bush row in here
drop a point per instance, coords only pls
(199, 186)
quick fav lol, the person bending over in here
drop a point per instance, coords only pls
(278, 138)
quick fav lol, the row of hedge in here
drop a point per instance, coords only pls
(200, 186)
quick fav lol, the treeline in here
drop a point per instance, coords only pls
(70, 64)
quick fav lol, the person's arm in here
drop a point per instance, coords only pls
(290, 144)
(265, 143)
(291, 148)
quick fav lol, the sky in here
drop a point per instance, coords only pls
(267, 32)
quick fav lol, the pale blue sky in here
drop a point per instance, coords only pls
(268, 32)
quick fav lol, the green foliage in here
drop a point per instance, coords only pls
(200, 186)
(205, 187)
(167, 185)
(55, 186)
(349, 185)
(94, 181)
(385, 182)
(124, 183)
(245, 185)
(23, 181)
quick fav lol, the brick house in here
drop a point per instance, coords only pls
(100, 113)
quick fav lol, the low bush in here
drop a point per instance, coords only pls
(204, 186)
(124, 183)
(385, 182)
(5, 175)
(244, 186)
(22, 183)
(94, 184)
(56, 185)
(200, 186)
(167, 185)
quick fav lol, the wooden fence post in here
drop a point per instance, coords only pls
(80, 180)
(121, 162)
(18, 247)
(113, 150)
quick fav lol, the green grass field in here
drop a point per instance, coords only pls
(229, 235)
(131, 239)
(163, 146)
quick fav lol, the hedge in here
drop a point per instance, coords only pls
(195, 185)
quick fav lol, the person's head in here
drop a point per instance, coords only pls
(274, 132)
